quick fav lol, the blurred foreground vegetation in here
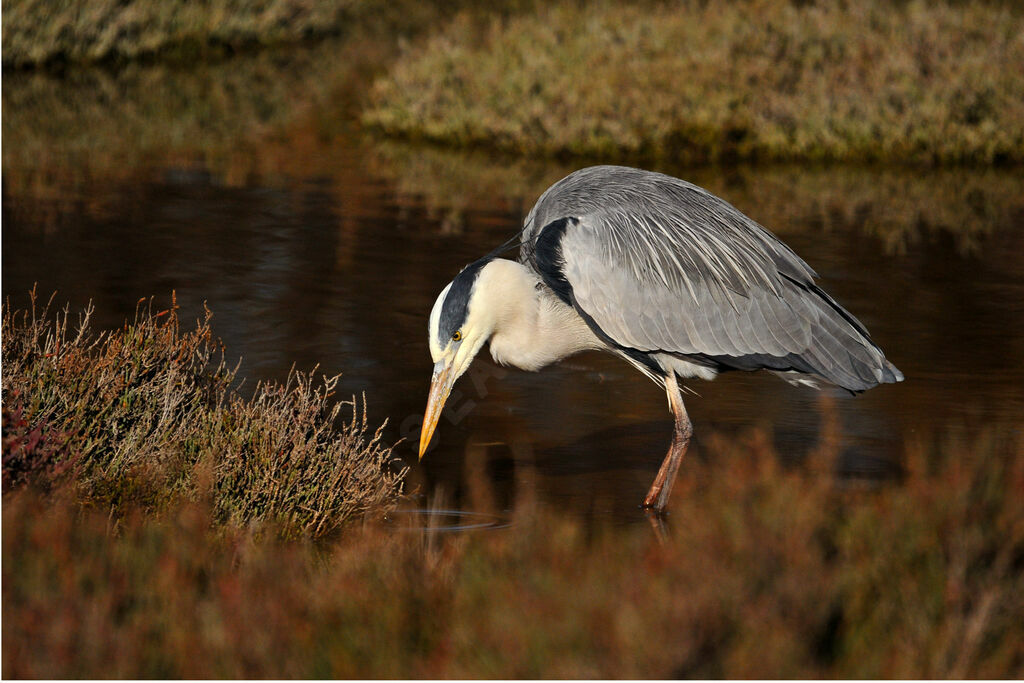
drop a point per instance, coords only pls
(147, 417)
(764, 572)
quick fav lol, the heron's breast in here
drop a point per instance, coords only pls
(532, 342)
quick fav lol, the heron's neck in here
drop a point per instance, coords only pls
(531, 326)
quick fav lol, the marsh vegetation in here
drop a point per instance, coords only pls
(144, 418)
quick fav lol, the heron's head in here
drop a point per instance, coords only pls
(460, 324)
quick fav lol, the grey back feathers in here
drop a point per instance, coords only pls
(660, 266)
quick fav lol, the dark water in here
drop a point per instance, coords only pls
(330, 250)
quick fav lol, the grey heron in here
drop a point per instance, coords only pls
(660, 272)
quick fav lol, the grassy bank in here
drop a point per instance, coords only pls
(765, 572)
(39, 32)
(720, 80)
(146, 418)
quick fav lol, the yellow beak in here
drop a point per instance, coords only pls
(440, 386)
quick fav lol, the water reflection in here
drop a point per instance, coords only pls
(329, 250)
(417, 520)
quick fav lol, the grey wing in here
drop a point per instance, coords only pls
(705, 282)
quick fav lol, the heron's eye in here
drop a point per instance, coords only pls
(457, 336)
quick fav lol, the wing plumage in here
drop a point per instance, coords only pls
(661, 266)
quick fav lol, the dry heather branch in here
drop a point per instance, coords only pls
(146, 411)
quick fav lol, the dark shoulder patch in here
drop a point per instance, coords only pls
(551, 266)
(456, 304)
(548, 255)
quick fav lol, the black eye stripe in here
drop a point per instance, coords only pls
(456, 303)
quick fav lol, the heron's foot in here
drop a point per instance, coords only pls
(657, 497)
(651, 506)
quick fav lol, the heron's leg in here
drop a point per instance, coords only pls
(657, 497)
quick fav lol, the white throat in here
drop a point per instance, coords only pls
(530, 327)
